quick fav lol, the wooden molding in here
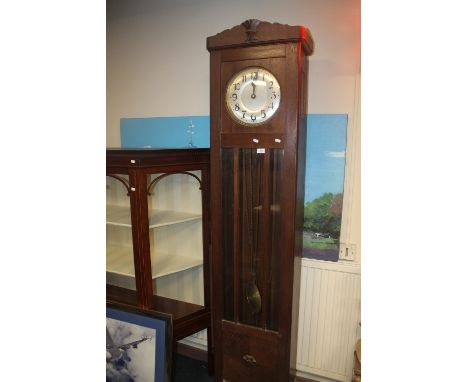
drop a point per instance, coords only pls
(256, 32)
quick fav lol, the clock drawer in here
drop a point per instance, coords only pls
(249, 354)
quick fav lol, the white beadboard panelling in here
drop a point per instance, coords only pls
(329, 314)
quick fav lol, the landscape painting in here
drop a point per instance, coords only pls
(324, 182)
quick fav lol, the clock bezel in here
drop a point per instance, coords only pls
(229, 83)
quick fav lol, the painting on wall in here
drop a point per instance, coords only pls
(324, 182)
(165, 132)
(138, 347)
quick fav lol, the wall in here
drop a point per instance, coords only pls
(158, 65)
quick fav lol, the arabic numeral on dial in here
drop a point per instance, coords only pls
(272, 106)
(274, 95)
(243, 113)
(264, 114)
(236, 107)
(236, 86)
(253, 117)
(271, 84)
(244, 78)
(234, 96)
(254, 75)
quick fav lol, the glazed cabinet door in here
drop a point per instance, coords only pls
(175, 229)
(120, 267)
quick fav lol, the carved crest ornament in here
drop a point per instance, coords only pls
(251, 26)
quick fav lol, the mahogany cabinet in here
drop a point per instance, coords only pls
(157, 230)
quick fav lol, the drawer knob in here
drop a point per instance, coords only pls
(250, 359)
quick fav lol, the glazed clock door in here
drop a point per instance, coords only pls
(251, 221)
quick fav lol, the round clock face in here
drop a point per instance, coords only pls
(253, 96)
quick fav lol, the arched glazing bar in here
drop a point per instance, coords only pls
(157, 179)
(122, 180)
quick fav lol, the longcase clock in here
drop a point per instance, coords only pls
(258, 98)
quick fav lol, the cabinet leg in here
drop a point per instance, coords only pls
(209, 333)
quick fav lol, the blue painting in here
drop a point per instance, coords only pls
(165, 132)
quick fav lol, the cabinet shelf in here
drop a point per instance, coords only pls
(119, 260)
(120, 216)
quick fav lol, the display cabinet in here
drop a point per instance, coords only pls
(157, 231)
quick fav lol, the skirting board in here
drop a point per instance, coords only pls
(310, 377)
(302, 376)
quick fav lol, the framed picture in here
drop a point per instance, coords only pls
(138, 346)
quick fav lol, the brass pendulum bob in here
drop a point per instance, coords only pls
(253, 295)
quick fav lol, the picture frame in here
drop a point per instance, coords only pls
(138, 346)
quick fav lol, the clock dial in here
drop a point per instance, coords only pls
(253, 96)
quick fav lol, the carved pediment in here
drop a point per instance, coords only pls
(256, 32)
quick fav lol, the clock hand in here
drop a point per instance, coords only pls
(253, 92)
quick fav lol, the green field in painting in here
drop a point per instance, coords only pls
(320, 243)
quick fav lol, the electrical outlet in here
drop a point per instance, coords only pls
(342, 252)
(347, 251)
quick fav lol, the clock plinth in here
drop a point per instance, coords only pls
(257, 170)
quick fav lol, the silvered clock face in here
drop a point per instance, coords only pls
(253, 96)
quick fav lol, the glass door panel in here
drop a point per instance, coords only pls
(274, 239)
(251, 226)
(120, 268)
(176, 235)
(229, 216)
(251, 219)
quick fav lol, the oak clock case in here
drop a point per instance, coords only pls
(257, 170)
